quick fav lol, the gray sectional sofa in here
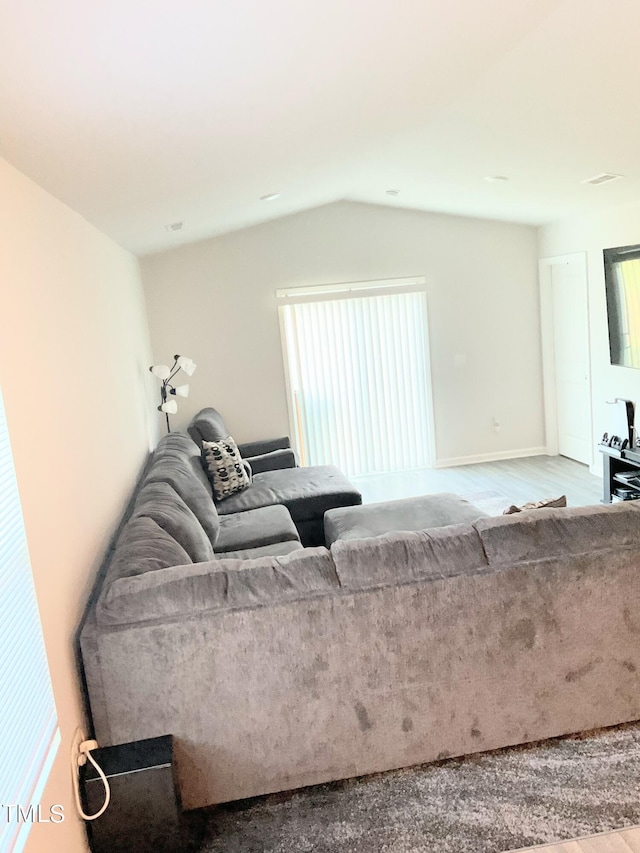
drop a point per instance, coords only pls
(293, 669)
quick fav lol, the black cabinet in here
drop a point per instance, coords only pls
(621, 474)
(144, 815)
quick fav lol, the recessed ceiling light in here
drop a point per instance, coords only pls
(175, 226)
(393, 192)
(270, 197)
(493, 179)
(604, 178)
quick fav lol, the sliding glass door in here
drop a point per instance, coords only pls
(359, 382)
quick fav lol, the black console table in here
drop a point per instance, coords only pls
(621, 467)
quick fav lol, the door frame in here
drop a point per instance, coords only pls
(545, 267)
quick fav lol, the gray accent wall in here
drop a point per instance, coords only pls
(215, 300)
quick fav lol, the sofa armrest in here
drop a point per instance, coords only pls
(272, 461)
(258, 448)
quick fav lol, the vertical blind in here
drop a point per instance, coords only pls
(29, 735)
(358, 381)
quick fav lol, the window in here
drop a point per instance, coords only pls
(29, 735)
(359, 385)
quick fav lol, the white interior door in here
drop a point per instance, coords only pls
(571, 357)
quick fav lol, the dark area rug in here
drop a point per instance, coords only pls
(487, 803)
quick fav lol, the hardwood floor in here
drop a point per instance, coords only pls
(518, 480)
(625, 841)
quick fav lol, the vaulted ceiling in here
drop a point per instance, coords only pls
(141, 114)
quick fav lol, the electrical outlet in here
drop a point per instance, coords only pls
(81, 750)
(78, 758)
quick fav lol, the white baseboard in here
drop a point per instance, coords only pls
(490, 457)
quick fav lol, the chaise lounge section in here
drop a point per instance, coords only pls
(307, 493)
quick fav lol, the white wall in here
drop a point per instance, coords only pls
(618, 226)
(215, 302)
(74, 353)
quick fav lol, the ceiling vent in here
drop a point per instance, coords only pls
(175, 226)
(604, 178)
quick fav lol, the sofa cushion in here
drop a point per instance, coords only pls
(177, 461)
(143, 546)
(264, 446)
(272, 461)
(407, 557)
(225, 468)
(419, 513)
(545, 533)
(160, 502)
(306, 492)
(207, 425)
(256, 527)
(278, 549)
(221, 585)
(545, 503)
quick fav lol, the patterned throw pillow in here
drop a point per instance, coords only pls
(561, 501)
(228, 472)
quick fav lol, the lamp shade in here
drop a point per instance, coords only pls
(160, 370)
(181, 390)
(187, 364)
(169, 408)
